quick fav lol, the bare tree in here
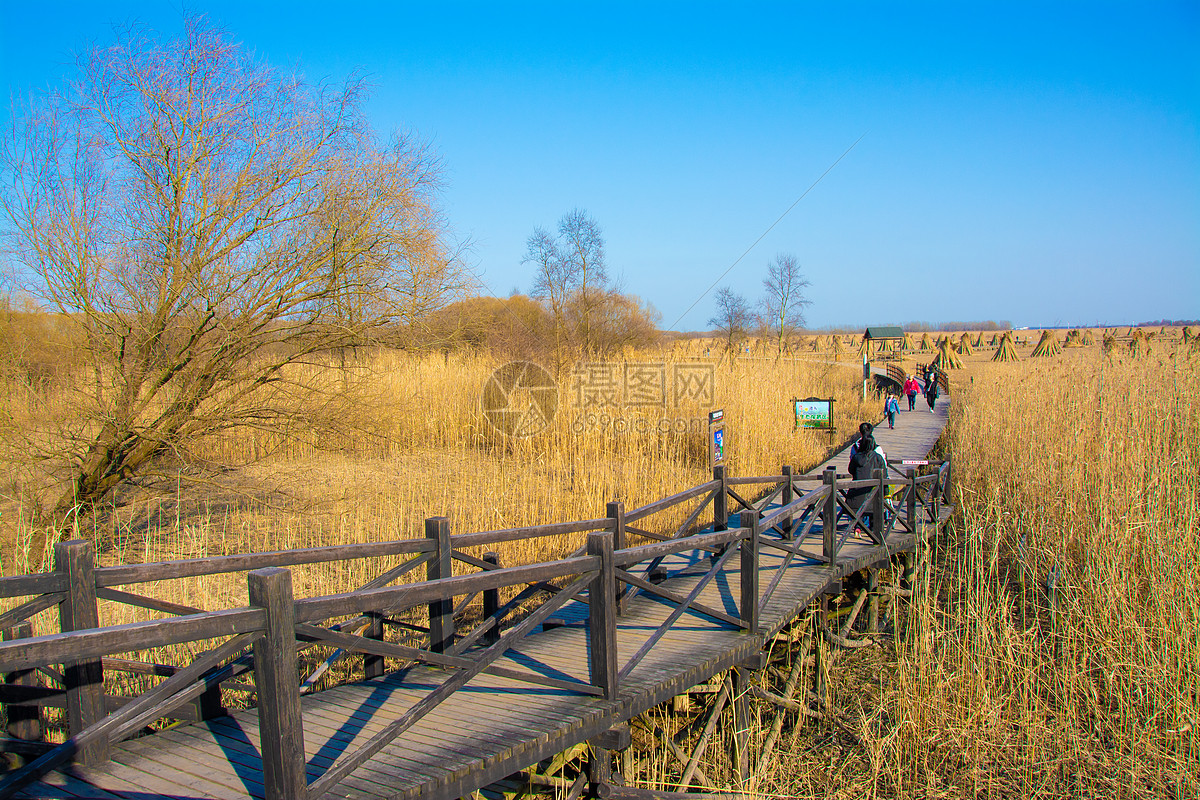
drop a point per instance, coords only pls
(205, 222)
(783, 306)
(571, 276)
(733, 319)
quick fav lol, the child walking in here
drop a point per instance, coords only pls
(891, 407)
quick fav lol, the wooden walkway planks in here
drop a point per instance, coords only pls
(495, 726)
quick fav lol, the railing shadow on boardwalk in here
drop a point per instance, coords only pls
(695, 567)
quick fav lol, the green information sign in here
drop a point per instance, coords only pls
(814, 413)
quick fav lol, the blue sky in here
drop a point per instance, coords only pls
(1038, 163)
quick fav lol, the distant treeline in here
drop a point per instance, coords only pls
(926, 327)
(1177, 323)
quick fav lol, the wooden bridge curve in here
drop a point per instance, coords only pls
(469, 711)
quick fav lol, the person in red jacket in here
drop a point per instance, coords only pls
(912, 389)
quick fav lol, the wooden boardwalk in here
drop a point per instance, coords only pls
(495, 725)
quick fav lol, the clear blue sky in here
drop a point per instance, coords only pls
(1036, 162)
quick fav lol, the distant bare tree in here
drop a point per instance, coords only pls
(733, 319)
(205, 222)
(572, 277)
(783, 306)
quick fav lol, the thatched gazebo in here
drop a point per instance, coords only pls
(1006, 351)
(964, 345)
(1047, 346)
(946, 357)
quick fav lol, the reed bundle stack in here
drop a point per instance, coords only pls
(964, 345)
(947, 358)
(926, 344)
(1047, 346)
(1073, 338)
(1086, 337)
(1006, 351)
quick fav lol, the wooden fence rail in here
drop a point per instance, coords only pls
(803, 517)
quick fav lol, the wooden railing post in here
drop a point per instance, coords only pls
(24, 722)
(441, 612)
(912, 500)
(749, 571)
(373, 665)
(280, 724)
(946, 496)
(616, 512)
(721, 501)
(602, 617)
(787, 497)
(880, 506)
(935, 495)
(829, 517)
(491, 602)
(84, 680)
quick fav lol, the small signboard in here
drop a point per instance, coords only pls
(914, 462)
(814, 413)
(716, 437)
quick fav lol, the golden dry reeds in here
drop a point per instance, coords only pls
(1139, 345)
(1054, 652)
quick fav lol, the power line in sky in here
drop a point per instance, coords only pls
(721, 277)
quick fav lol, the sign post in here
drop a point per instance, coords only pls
(716, 437)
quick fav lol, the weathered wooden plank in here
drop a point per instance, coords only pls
(187, 568)
(77, 645)
(315, 609)
(667, 502)
(461, 540)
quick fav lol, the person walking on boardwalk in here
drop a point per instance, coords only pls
(912, 389)
(931, 389)
(891, 407)
(865, 458)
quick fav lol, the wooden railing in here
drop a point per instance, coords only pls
(262, 641)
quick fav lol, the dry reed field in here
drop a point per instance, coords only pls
(414, 443)
(1052, 644)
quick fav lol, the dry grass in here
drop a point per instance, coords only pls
(1081, 466)
(1081, 463)
(415, 444)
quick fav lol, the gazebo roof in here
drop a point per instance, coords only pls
(884, 332)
